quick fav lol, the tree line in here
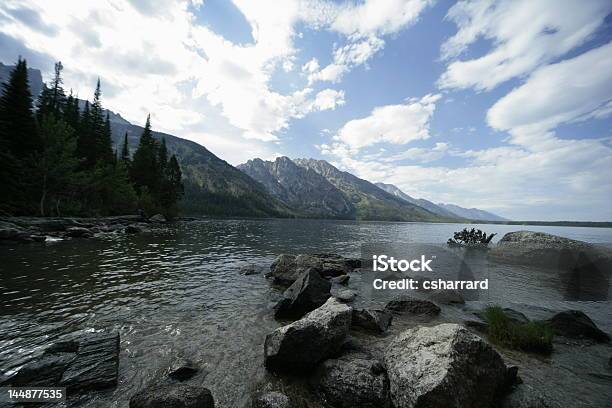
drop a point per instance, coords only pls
(57, 159)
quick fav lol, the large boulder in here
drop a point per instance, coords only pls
(352, 380)
(284, 269)
(307, 293)
(87, 362)
(301, 345)
(158, 218)
(443, 366)
(376, 320)
(406, 304)
(287, 268)
(79, 232)
(576, 324)
(173, 396)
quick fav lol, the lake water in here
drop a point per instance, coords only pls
(178, 292)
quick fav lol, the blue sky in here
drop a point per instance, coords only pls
(501, 105)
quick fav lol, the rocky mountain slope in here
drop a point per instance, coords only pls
(300, 188)
(370, 202)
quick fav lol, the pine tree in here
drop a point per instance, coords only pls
(125, 150)
(71, 112)
(106, 141)
(173, 188)
(56, 164)
(145, 167)
(162, 156)
(17, 122)
(85, 141)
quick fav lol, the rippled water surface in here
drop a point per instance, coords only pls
(178, 292)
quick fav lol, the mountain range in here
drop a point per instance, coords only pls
(445, 210)
(305, 188)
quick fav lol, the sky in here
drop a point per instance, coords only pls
(501, 105)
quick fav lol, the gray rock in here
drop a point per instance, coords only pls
(173, 396)
(183, 369)
(284, 269)
(344, 295)
(78, 232)
(271, 399)
(376, 320)
(406, 304)
(340, 280)
(443, 366)
(576, 324)
(306, 294)
(134, 229)
(352, 380)
(301, 345)
(89, 362)
(158, 218)
(251, 270)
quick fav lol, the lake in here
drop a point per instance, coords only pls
(178, 292)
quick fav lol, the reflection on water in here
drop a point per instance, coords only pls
(179, 292)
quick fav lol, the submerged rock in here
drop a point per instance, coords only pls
(79, 232)
(524, 397)
(376, 320)
(406, 304)
(183, 369)
(340, 280)
(443, 366)
(158, 218)
(352, 380)
(301, 345)
(306, 294)
(173, 396)
(344, 295)
(271, 399)
(89, 362)
(576, 324)
(251, 270)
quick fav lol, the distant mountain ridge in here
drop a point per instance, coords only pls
(449, 210)
(300, 188)
(316, 188)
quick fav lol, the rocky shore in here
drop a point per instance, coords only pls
(330, 350)
(16, 230)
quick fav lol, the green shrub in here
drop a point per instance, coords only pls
(532, 336)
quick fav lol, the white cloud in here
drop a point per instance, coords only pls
(524, 35)
(396, 124)
(417, 154)
(556, 94)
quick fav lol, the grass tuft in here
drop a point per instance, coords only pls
(532, 336)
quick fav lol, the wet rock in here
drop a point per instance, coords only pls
(134, 229)
(284, 269)
(301, 345)
(173, 396)
(183, 369)
(79, 232)
(89, 362)
(443, 366)
(344, 295)
(576, 324)
(406, 304)
(306, 294)
(158, 218)
(477, 324)
(271, 399)
(352, 380)
(287, 268)
(376, 320)
(446, 297)
(251, 270)
(340, 280)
